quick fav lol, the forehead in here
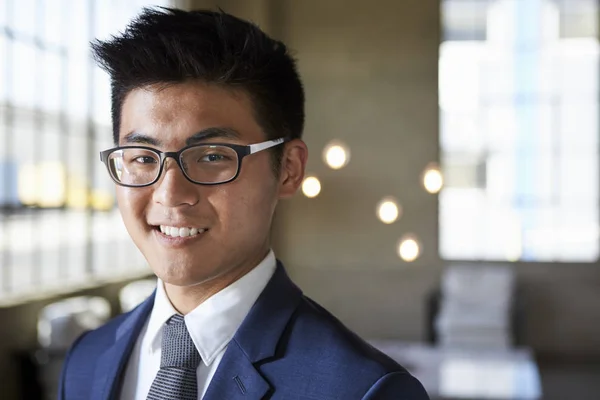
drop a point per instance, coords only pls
(172, 113)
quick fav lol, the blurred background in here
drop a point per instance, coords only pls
(450, 214)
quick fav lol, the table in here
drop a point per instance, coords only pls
(468, 373)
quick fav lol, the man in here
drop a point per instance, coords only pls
(208, 114)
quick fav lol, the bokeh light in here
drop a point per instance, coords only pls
(336, 155)
(432, 178)
(388, 210)
(311, 186)
(409, 248)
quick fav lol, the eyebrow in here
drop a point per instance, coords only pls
(212, 133)
(198, 137)
(140, 138)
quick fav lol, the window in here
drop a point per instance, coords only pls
(58, 225)
(519, 131)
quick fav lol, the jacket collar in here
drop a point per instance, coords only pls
(273, 309)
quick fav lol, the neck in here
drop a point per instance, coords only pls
(186, 298)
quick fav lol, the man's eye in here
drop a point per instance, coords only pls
(213, 158)
(144, 160)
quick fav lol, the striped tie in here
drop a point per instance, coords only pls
(176, 378)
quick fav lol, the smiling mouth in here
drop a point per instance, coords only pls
(175, 232)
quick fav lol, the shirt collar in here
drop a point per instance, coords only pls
(213, 323)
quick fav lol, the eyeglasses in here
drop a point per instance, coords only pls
(204, 164)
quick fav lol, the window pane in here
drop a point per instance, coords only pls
(519, 133)
(54, 22)
(24, 17)
(54, 119)
(3, 68)
(23, 71)
(53, 82)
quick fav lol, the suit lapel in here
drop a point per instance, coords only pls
(256, 340)
(236, 377)
(110, 365)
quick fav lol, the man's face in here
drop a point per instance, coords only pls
(235, 216)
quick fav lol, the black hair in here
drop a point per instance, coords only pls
(167, 46)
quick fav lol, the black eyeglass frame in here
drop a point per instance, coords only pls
(241, 151)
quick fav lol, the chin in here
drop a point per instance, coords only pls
(174, 274)
(182, 275)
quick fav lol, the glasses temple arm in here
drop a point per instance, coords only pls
(255, 148)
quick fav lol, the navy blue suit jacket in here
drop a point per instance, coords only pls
(288, 347)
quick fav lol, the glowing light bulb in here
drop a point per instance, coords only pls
(336, 155)
(433, 179)
(311, 186)
(409, 248)
(388, 210)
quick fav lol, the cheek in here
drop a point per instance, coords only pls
(247, 208)
(131, 203)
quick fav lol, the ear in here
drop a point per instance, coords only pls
(293, 164)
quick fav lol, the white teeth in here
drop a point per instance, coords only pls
(180, 232)
(184, 232)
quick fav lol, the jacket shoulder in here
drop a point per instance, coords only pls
(320, 349)
(324, 332)
(80, 362)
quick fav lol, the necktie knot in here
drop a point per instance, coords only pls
(178, 349)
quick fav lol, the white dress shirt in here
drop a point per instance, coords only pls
(211, 325)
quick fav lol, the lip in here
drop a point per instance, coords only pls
(176, 224)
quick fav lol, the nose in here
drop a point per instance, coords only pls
(173, 189)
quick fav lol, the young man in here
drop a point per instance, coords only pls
(208, 113)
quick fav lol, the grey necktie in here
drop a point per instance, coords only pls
(176, 378)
